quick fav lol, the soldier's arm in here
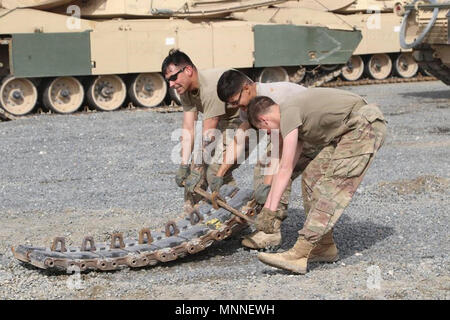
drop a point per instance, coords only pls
(208, 134)
(231, 155)
(292, 149)
(189, 118)
(274, 157)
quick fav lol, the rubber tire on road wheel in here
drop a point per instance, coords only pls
(24, 87)
(59, 104)
(103, 102)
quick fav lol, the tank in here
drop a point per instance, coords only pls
(425, 29)
(379, 54)
(60, 55)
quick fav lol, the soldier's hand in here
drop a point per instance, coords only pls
(182, 174)
(269, 221)
(261, 193)
(192, 180)
(216, 183)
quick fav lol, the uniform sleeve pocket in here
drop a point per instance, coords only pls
(349, 167)
(371, 112)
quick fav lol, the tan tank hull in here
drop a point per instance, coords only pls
(426, 30)
(378, 55)
(35, 4)
(163, 8)
(108, 52)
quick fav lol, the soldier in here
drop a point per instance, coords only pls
(197, 89)
(236, 89)
(349, 132)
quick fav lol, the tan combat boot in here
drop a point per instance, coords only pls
(295, 259)
(325, 251)
(260, 240)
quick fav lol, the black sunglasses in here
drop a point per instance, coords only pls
(236, 102)
(174, 77)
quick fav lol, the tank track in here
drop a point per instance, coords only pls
(426, 58)
(179, 238)
(341, 83)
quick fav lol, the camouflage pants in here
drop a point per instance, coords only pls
(331, 179)
(210, 170)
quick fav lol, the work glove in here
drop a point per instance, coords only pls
(192, 180)
(216, 183)
(261, 193)
(269, 221)
(182, 174)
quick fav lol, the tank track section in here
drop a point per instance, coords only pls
(179, 238)
(331, 80)
(426, 58)
(6, 116)
(341, 83)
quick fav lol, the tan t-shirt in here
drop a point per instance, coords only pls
(279, 92)
(205, 100)
(320, 114)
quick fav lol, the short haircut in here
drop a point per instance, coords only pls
(230, 83)
(177, 58)
(258, 106)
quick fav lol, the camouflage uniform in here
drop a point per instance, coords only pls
(331, 179)
(348, 132)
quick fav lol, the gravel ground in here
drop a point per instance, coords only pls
(97, 173)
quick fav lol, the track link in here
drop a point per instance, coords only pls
(179, 238)
(340, 83)
(427, 59)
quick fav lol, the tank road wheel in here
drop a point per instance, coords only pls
(63, 95)
(18, 96)
(354, 69)
(405, 65)
(273, 74)
(107, 93)
(379, 66)
(147, 89)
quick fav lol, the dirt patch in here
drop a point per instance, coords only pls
(415, 144)
(440, 130)
(397, 113)
(423, 184)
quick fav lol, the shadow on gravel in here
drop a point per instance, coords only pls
(350, 237)
(441, 94)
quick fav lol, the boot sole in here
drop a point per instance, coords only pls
(324, 259)
(254, 246)
(280, 265)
